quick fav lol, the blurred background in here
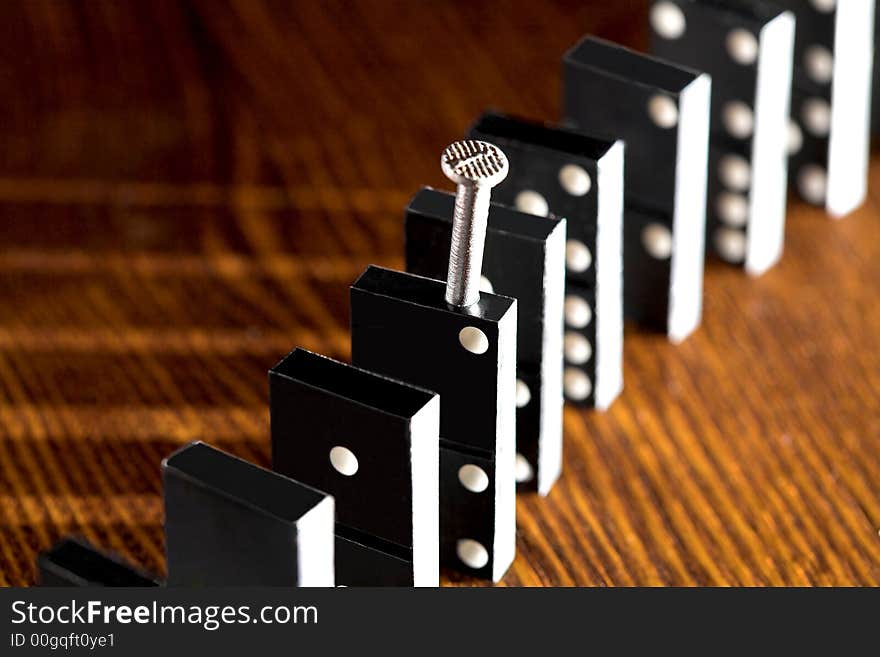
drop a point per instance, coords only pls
(187, 190)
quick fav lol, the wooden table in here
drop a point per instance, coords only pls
(186, 191)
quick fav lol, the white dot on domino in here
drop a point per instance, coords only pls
(742, 46)
(732, 209)
(795, 137)
(523, 394)
(473, 478)
(663, 111)
(824, 6)
(524, 471)
(577, 348)
(816, 116)
(577, 256)
(657, 240)
(735, 172)
(576, 384)
(578, 313)
(343, 461)
(739, 121)
(819, 63)
(730, 244)
(531, 202)
(474, 340)
(668, 20)
(812, 183)
(575, 180)
(472, 553)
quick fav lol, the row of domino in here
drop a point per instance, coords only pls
(408, 460)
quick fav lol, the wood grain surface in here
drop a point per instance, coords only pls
(186, 191)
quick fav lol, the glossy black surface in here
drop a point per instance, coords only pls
(402, 327)
(606, 90)
(704, 46)
(646, 279)
(610, 59)
(317, 404)
(536, 154)
(541, 135)
(74, 562)
(350, 384)
(229, 522)
(478, 523)
(514, 262)
(362, 561)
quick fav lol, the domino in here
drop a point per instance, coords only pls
(373, 443)
(231, 523)
(559, 172)
(402, 326)
(74, 562)
(524, 258)
(661, 111)
(747, 48)
(831, 101)
(461, 343)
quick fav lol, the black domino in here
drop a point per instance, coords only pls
(569, 174)
(524, 258)
(74, 562)
(372, 443)
(661, 110)
(746, 46)
(231, 523)
(831, 101)
(402, 326)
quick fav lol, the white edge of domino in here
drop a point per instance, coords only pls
(849, 141)
(550, 431)
(504, 546)
(425, 464)
(609, 278)
(315, 540)
(767, 201)
(689, 216)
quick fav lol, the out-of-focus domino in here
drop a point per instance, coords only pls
(831, 101)
(566, 173)
(661, 111)
(524, 258)
(746, 46)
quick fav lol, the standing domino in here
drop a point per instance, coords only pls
(661, 111)
(831, 101)
(569, 174)
(373, 444)
(449, 338)
(746, 46)
(524, 258)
